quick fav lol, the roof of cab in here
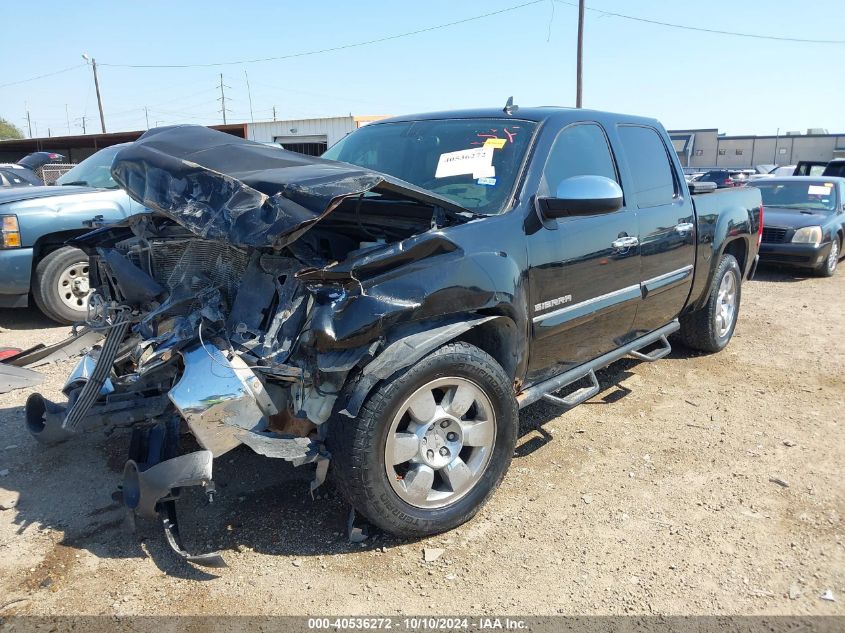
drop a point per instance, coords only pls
(555, 114)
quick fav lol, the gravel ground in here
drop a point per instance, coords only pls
(695, 485)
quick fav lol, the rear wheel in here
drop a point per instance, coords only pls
(828, 266)
(60, 287)
(710, 328)
(430, 444)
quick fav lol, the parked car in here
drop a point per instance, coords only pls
(23, 173)
(775, 172)
(805, 222)
(391, 306)
(38, 221)
(723, 177)
(809, 168)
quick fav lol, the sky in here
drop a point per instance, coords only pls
(685, 78)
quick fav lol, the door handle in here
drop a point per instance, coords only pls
(625, 242)
(684, 227)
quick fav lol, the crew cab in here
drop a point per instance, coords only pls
(38, 220)
(386, 310)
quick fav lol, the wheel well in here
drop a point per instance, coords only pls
(498, 338)
(739, 250)
(48, 243)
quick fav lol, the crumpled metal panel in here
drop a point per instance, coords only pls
(220, 399)
(226, 188)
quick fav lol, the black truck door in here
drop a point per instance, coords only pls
(584, 271)
(666, 225)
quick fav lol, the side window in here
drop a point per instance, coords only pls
(579, 150)
(651, 172)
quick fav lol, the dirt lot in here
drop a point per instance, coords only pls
(655, 497)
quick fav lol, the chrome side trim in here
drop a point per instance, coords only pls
(666, 279)
(576, 306)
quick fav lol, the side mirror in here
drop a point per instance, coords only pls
(582, 195)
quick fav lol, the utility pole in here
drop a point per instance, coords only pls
(67, 118)
(97, 90)
(29, 123)
(249, 94)
(222, 98)
(83, 124)
(579, 76)
(147, 116)
(274, 113)
(777, 138)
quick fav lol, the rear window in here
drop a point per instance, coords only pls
(651, 171)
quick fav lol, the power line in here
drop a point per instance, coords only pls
(334, 48)
(57, 72)
(704, 30)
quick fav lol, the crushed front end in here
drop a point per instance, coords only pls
(218, 308)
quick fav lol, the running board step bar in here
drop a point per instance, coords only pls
(556, 383)
(664, 350)
(576, 397)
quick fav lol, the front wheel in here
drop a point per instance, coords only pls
(430, 444)
(828, 266)
(60, 286)
(711, 327)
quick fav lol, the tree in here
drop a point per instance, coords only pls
(9, 130)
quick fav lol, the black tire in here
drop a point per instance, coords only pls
(828, 267)
(699, 329)
(358, 445)
(45, 285)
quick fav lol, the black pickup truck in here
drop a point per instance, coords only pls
(387, 309)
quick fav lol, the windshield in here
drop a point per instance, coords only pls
(820, 196)
(473, 162)
(94, 171)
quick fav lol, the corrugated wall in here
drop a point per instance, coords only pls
(332, 128)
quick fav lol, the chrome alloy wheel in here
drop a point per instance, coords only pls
(440, 442)
(73, 286)
(726, 306)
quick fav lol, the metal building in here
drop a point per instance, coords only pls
(308, 136)
(707, 148)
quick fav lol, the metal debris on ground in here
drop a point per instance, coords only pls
(779, 481)
(357, 529)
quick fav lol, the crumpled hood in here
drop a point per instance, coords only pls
(223, 187)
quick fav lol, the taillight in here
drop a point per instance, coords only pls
(760, 227)
(729, 182)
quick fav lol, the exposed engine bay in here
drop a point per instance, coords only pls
(240, 309)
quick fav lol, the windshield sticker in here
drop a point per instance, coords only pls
(818, 190)
(477, 161)
(495, 143)
(487, 181)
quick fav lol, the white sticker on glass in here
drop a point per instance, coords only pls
(477, 161)
(818, 190)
